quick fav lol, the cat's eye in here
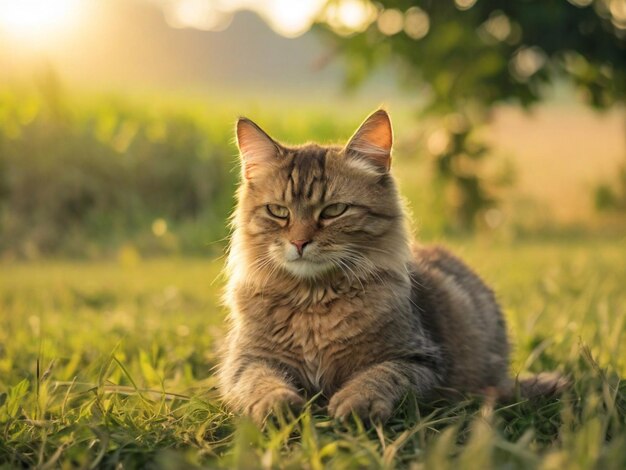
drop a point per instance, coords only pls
(280, 212)
(334, 210)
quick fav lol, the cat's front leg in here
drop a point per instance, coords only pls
(257, 389)
(373, 393)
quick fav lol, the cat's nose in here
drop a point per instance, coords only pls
(300, 244)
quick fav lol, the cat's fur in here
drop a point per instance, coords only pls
(362, 315)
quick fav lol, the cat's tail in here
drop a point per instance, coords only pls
(544, 384)
(536, 386)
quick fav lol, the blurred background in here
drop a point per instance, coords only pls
(117, 176)
(116, 116)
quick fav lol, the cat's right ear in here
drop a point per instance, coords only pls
(372, 141)
(258, 150)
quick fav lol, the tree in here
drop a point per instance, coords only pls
(472, 54)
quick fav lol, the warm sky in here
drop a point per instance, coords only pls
(214, 48)
(153, 44)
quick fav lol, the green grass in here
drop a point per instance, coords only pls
(110, 365)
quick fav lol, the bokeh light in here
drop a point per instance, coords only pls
(287, 18)
(498, 26)
(416, 23)
(349, 16)
(37, 20)
(159, 227)
(618, 13)
(464, 4)
(196, 14)
(527, 61)
(581, 3)
(390, 21)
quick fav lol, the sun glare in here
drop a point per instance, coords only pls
(36, 19)
(290, 18)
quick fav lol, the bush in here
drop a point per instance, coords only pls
(612, 197)
(86, 178)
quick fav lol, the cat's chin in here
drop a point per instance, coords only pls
(307, 269)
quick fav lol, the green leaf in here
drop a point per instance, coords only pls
(148, 371)
(16, 397)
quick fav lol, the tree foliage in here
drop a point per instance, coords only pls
(464, 56)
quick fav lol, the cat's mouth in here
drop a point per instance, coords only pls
(306, 268)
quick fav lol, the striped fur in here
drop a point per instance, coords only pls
(363, 316)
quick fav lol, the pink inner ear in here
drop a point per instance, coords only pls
(373, 140)
(246, 138)
(377, 131)
(256, 147)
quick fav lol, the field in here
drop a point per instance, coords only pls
(108, 364)
(111, 232)
(118, 170)
(86, 176)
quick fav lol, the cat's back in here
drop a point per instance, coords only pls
(461, 314)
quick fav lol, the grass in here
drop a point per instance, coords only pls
(109, 364)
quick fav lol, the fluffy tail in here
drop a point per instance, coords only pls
(544, 384)
(532, 387)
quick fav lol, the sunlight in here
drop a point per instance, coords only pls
(36, 19)
(196, 14)
(350, 16)
(289, 18)
(286, 17)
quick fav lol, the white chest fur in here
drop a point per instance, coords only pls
(311, 336)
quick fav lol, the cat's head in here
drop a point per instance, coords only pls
(313, 210)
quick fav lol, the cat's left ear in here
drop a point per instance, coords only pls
(372, 141)
(258, 150)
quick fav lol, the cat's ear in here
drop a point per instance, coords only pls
(258, 150)
(372, 141)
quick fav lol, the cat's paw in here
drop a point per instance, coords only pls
(276, 400)
(367, 406)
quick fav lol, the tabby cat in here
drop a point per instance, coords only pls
(328, 294)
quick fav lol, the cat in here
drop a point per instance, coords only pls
(328, 294)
